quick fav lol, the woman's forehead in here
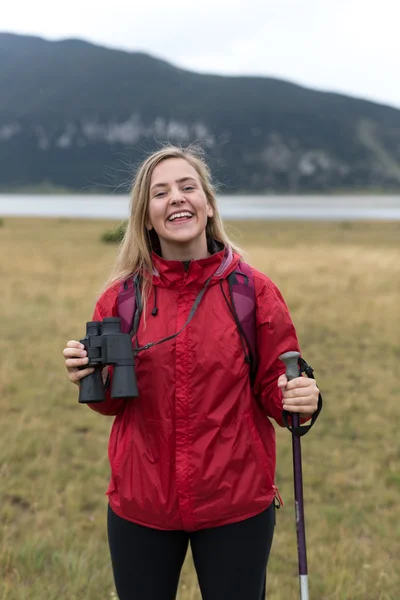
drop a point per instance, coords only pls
(171, 170)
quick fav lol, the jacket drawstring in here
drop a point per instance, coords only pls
(155, 309)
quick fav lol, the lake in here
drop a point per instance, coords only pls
(231, 207)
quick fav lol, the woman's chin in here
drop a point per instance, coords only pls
(183, 234)
(184, 238)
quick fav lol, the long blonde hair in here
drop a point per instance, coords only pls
(134, 253)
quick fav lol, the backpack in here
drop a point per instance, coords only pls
(243, 308)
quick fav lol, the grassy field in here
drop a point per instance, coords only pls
(342, 284)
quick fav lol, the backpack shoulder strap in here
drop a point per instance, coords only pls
(129, 304)
(243, 297)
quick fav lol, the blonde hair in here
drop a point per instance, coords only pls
(134, 253)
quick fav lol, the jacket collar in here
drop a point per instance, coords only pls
(167, 273)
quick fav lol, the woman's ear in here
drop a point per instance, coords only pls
(148, 226)
(210, 212)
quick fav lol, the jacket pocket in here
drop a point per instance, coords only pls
(259, 446)
(119, 443)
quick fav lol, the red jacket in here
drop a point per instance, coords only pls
(197, 448)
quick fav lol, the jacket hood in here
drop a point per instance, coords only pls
(167, 273)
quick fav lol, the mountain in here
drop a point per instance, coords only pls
(81, 116)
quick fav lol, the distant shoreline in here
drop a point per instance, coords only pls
(235, 207)
(54, 190)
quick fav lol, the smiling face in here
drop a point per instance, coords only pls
(178, 210)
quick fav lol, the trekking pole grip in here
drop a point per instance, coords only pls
(291, 360)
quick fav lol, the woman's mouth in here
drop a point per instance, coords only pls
(180, 217)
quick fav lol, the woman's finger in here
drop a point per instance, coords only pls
(308, 401)
(74, 344)
(71, 363)
(299, 393)
(308, 388)
(282, 381)
(299, 404)
(73, 352)
(300, 382)
(78, 374)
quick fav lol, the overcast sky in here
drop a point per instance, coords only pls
(349, 46)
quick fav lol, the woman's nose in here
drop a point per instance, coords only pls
(176, 197)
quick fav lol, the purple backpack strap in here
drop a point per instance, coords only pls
(126, 304)
(243, 296)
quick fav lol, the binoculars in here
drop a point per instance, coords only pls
(106, 345)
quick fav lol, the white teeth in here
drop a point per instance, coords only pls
(179, 215)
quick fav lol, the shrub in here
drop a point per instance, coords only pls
(115, 236)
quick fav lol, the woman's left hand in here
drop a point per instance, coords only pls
(300, 395)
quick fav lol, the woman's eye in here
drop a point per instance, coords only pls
(187, 188)
(159, 194)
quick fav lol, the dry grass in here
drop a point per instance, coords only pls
(342, 284)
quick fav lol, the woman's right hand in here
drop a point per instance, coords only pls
(75, 357)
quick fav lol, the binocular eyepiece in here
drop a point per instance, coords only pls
(106, 345)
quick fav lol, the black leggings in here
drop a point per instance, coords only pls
(230, 560)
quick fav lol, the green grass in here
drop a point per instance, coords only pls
(341, 282)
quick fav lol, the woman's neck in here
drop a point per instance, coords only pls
(195, 250)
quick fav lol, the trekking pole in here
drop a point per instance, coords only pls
(292, 370)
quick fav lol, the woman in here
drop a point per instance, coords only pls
(193, 457)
